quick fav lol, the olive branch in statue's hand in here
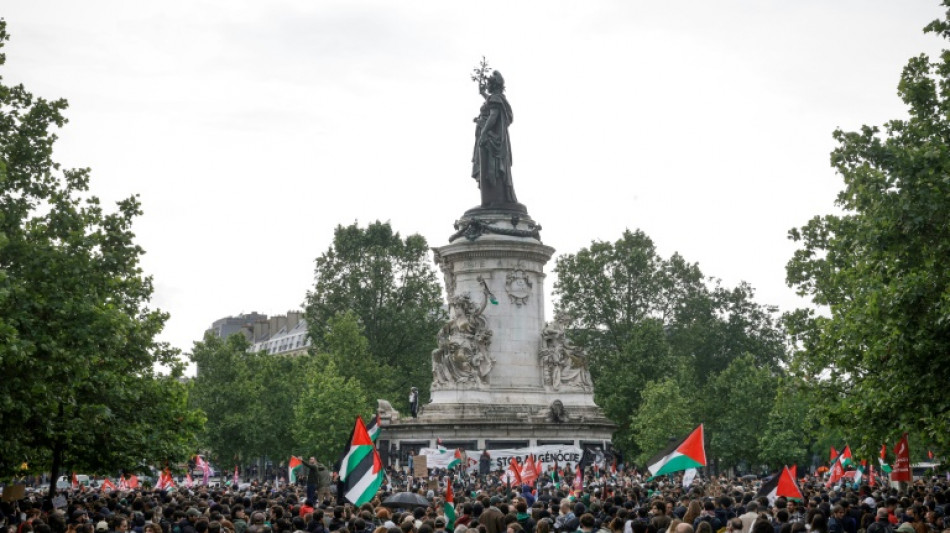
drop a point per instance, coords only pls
(480, 75)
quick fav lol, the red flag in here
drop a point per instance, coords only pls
(528, 473)
(837, 472)
(165, 481)
(902, 463)
(883, 452)
(787, 486)
(871, 473)
(188, 481)
(133, 481)
(123, 483)
(515, 469)
(75, 481)
(930, 454)
(107, 485)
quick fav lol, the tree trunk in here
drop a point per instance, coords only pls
(58, 449)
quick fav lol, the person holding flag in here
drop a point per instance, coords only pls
(318, 479)
(205, 469)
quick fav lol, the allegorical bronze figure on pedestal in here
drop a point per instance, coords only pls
(491, 158)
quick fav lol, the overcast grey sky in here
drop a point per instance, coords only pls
(251, 129)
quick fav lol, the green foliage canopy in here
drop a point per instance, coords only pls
(643, 318)
(879, 268)
(78, 346)
(266, 405)
(389, 284)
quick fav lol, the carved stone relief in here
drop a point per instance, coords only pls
(518, 286)
(462, 355)
(563, 365)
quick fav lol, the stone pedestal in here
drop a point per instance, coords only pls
(501, 375)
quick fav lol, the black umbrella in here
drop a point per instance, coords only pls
(406, 500)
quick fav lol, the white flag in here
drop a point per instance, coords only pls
(688, 476)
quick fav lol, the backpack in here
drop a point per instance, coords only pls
(878, 527)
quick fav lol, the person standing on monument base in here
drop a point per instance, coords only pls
(414, 402)
(484, 464)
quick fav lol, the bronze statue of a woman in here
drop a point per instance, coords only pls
(491, 160)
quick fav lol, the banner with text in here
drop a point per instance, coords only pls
(547, 455)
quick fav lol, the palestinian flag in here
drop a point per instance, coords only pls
(882, 460)
(373, 428)
(449, 506)
(886, 468)
(456, 458)
(781, 485)
(361, 468)
(294, 467)
(858, 475)
(688, 453)
(845, 458)
(833, 455)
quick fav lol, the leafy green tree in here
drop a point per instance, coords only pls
(642, 317)
(666, 413)
(619, 392)
(274, 383)
(78, 341)
(790, 428)
(223, 390)
(736, 405)
(348, 349)
(879, 268)
(325, 412)
(714, 331)
(389, 284)
(621, 297)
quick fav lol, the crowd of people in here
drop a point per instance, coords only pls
(624, 503)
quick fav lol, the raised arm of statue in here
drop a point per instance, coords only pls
(486, 295)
